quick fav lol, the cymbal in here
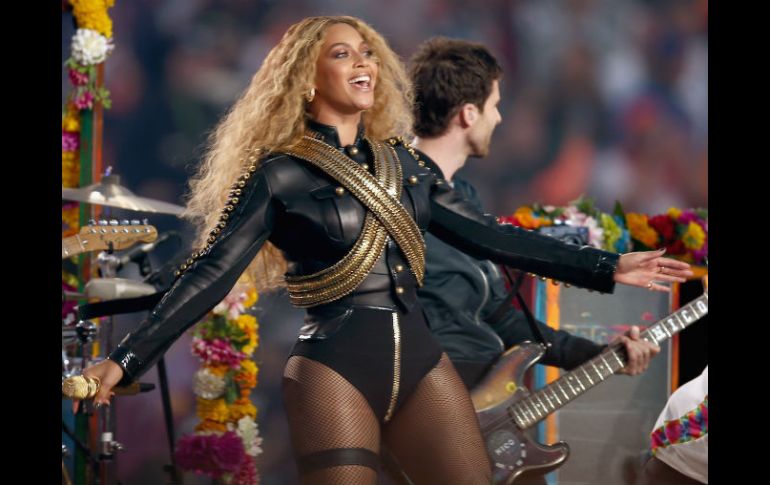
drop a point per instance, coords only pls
(109, 192)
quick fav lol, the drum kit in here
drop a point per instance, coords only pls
(102, 298)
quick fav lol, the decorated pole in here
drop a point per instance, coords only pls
(82, 134)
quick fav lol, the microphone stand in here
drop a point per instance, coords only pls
(171, 468)
(108, 263)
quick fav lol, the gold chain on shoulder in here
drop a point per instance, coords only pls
(386, 216)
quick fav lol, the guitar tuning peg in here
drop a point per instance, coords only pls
(113, 222)
(103, 222)
(135, 222)
(145, 221)
(124, 222)
(91, 222)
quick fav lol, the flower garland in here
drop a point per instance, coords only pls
(684, 233)
(91, 45)
(226, 440)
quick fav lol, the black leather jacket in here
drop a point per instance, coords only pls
(460, 297)
(297, 208)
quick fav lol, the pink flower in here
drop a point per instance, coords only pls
(688, 217)
(217, 351)
(78, 78)
(247, 475)
(70, 142)
(85, 100)
(228, 452)
(193, 452)
(212, 455)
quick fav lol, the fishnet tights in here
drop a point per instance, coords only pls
(434, 435)
(326, 412)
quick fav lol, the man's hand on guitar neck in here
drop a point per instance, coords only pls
(638, 351)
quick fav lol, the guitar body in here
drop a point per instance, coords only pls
(508, 411)
(513, 451)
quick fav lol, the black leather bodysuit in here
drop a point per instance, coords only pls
(303, 212)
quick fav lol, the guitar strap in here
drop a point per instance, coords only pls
(515, 283)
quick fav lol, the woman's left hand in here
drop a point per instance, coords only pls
(649, 268)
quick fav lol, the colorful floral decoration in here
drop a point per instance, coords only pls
(226, 440)
(91, 45)
(684, 233)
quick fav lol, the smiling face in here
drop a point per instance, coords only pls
(346, 73)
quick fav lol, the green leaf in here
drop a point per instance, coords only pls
(618, 210)
(587, 206)
(231, 393)
(231, 387)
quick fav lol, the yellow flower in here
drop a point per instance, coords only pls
(251, 298)
(70, 218)
(218, 370)
(674, 212)
(70, 123)
(208, 425)
(245, 322)
(69, 278)
(92, 14)
(640, 230)
(246, 382)
(213, 410)
(249, 367)
(242, 407)
(248, 325)
(249, 348)
(694, 237)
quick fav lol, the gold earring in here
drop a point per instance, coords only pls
(310, 95)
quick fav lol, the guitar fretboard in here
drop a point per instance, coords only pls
(71, 246)
(538, 405)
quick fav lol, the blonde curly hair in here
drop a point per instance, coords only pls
(270, 116)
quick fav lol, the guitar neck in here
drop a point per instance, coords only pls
(538, 405)
(71, 246)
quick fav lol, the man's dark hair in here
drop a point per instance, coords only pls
(447, 73)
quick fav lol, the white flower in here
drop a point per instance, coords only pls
(249, 433)
(221, 308)
(89, 47)
(208, 385)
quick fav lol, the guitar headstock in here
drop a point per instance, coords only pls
(122, 234)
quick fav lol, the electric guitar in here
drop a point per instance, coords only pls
(507, 410)
(100, 236)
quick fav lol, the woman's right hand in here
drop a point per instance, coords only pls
(109, 374)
